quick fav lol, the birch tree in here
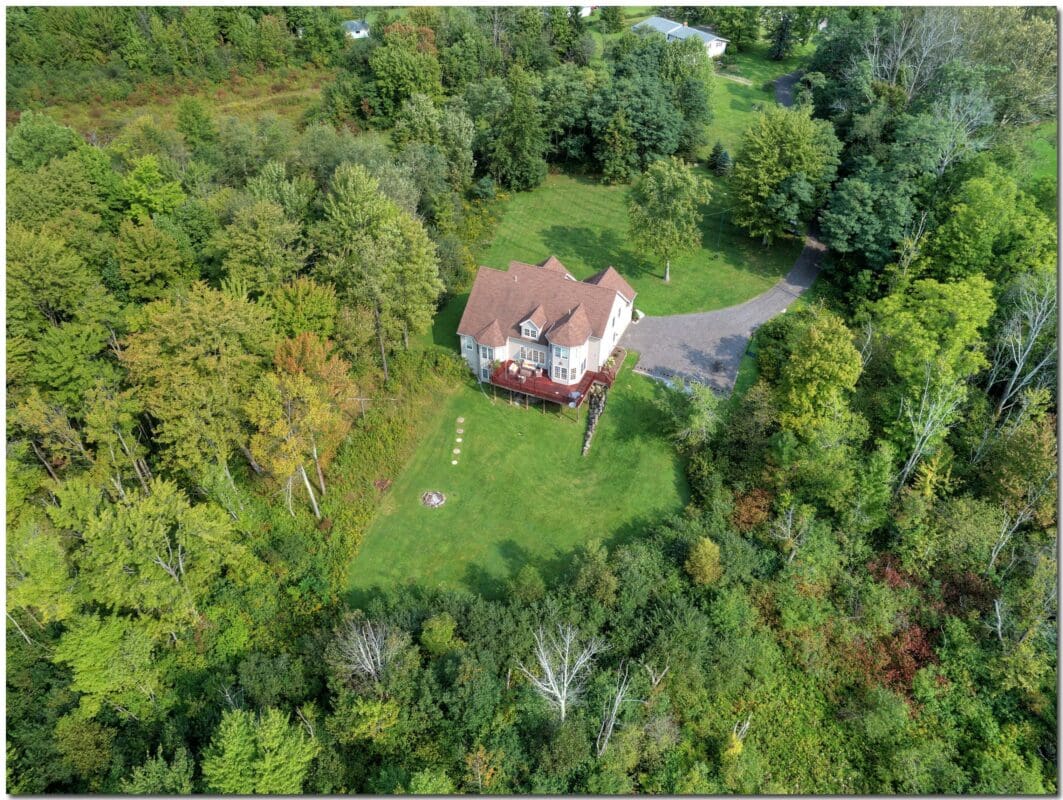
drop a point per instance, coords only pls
(363, 649)
(927, 420)
(612, 711)
(664, 214)
(564, 664)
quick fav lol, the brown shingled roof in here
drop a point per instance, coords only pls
(538, 316)
(571, 330)
(612, 279)
(554, 265)
(508, 298)
(491, 335)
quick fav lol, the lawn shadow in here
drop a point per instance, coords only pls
(515, 556)
(640, 414)
(597, 249)
(445, 324)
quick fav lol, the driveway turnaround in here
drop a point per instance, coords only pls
(707, 347)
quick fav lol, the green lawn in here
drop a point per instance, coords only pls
(1041, 151)
(584, 223)
(521, 493)
(733, 102)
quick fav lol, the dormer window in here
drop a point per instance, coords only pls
(528, 331)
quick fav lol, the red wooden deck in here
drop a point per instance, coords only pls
(542, 387)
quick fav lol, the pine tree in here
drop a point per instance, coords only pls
(713, 162)
(724, 164)
(264, 755)
(782, 37)
(517, 153)
(619, 155)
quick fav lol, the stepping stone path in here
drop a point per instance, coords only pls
(457, 450)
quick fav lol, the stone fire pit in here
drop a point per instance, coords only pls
(433, 499)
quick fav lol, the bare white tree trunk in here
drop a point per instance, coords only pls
(612, 711)
(791, 527)
(563, 666)
(365, 648)
(1026, 348)
(310, 491)
(1013, 522)
(962, 116)
(934, 415)
(912, 53)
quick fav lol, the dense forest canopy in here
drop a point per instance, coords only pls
(215, 335)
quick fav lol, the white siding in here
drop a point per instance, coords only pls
(619, 319)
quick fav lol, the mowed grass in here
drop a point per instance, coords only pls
(521, 493)
(1040, 144)
(734, 101)
(585, 224)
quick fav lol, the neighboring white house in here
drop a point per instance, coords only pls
(356, 29)
(545, 320)
(586, 11)
(675, 31)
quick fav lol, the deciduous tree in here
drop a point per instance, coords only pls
(664, 214)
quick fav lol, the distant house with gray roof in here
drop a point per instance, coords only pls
(677, 31)
(356, 29)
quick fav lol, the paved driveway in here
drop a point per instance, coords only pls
(707, 347)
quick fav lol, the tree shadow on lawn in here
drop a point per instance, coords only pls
(557, 569)
(447, 318)
(515, 556)
(597, 249)
(640, 414)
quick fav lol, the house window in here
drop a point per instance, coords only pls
(560, 373)
(487, 353)
(529, 332)
(560, 352)
(468, 343)
(583, 367)
(533, 355)
(485, 373)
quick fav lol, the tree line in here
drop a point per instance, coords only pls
(860, 596)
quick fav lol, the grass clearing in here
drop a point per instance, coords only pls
(521, 493)
(288, 94)
(584, 223)
(733, 102)
(1042, 152)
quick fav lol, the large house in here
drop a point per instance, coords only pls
(538, 320)
(675, 31)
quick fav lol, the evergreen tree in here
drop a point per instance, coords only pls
(263, 755)
(516, 159)
(612, 19)
(619, 159)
